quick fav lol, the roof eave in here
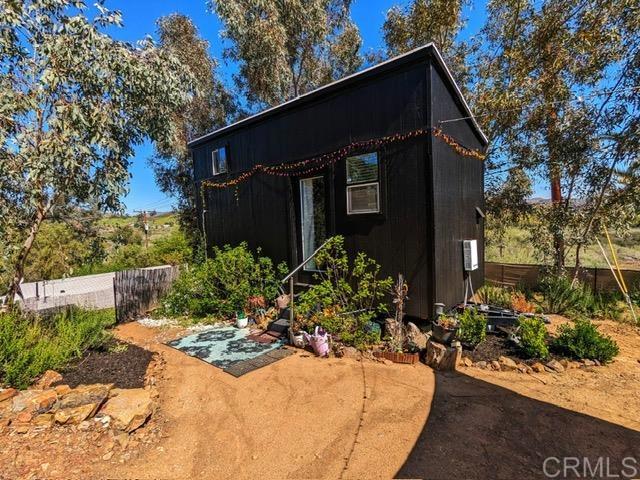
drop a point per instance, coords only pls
(406, 57)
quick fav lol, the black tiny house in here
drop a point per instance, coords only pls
(367, 157)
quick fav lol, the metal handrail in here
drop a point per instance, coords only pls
(289, 278)
(311, 257)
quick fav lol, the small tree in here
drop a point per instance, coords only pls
(74, 102)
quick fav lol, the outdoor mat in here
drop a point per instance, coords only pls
(230, 349)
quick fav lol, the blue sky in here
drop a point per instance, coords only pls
(139, 20)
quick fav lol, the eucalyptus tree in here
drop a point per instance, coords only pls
(210, 107)
(73, 104)
(286, 48)
(424, 21)
(557, 89)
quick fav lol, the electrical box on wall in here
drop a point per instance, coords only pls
(470, 252)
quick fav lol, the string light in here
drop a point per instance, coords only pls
(314, 164)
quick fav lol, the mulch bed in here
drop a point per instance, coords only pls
(492, 348)
(125, 369)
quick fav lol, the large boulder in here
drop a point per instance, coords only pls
(129, 409)
(442, 357)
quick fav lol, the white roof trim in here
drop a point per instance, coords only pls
(353, 75)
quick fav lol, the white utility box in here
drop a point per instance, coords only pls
(470, 252)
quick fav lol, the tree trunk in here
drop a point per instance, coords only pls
(18, 268)
(558, 238)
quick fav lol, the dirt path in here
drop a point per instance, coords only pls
(302, 417)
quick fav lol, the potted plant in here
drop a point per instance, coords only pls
(444, 328)
(242, 320)
(398, 348)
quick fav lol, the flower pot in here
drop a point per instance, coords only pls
(298, 340)
(398, 357)
(242, 322)
(442, 334)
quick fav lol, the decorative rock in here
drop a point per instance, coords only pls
(7, 393)
(467, 362)
(122, 439)
(129, 409)
(481, 364)
(351, 352)
(507, 364)
(555, 365)
(34, 401)
(537, 367)
(75, 415)
(574, 365)
(588, 363)
(565, 363)
(441, 357)
(23, 417)
(62, 389)
(43, 420)
(522, 368)
(47, 379)
(597, 362)
(415, 336)
(495, 365)
(85, 394)
(107, 456)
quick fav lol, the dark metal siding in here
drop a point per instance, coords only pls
(458, 188)
(399, 238)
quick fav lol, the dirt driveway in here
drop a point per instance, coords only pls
(302, 417)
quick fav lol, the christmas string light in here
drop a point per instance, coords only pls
(314, 164)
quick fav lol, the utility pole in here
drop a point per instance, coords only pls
(145, 225)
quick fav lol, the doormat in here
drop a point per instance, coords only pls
(230, 349)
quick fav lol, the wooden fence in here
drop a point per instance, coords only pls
(512, 275)
(138, 291)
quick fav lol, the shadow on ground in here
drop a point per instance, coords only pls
(477, 430)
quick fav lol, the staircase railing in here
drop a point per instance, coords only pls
(290, 278)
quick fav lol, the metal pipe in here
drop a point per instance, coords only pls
(311, 257)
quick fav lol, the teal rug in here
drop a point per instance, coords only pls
(229, 349)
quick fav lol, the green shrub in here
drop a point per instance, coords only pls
(30, 345)
(472, 327)
(349, 287)
(562, 296)
(605, 306)
(347, 296)
(583, 340)
(221, 285)
(493, 295)
(352, 330)
(533, 333)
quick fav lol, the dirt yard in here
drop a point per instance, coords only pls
(305, 417)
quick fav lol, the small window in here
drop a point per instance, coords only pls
(363, 187)
(219, 161)
(363, 198)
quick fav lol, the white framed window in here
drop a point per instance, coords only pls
(364, 198)
(363, 185)
(219, 161)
